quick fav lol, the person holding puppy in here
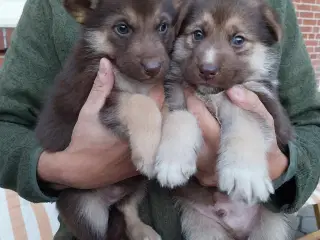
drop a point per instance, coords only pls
(41, 43)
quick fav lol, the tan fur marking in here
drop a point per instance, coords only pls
(143, 119)
(99, 42)
(132, 16)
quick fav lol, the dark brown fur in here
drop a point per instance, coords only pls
(132, 55)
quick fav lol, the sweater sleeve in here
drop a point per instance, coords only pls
(29, 68)
(299, 96)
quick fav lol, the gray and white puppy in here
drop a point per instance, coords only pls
(223, 43)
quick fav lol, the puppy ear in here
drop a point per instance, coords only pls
(79, 9)
(272, 21)
(182, 6)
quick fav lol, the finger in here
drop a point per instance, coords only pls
(248, 100)
(157, 94)
(208, 124)
(102, 86)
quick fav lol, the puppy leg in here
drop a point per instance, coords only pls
(86, 212)
(270, 226)
(242, 163)
(180, 143)
(136, 229)
(137, 118)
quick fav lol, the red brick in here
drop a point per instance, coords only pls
(306, 29)
(311, 42)
(312, 22)
(306, 15)
(1, 40)
(309, 1)
(8, 37)
(313, 56)
(303, 7)
(311, 36)
(316, 8)
(316, 62)
(316, 14)
(310, 49)
(9, 34)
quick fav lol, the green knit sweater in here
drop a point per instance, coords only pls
(39, 47)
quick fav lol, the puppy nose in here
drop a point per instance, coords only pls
(151, 66)
(208, 70)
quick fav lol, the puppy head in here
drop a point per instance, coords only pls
(227, 42)
(135, 35)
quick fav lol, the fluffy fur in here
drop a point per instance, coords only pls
(222, 43)
(137, 37)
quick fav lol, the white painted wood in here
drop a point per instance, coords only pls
(10, 12)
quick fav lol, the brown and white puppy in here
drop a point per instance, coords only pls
(222, 43)
(137, 37)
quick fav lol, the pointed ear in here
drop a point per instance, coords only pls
(79, 9)
(272, 21)
(182, 6)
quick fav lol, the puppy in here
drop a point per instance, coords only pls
(137, 37)
(223, 43)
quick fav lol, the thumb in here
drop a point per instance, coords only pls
(208, 124)
(102, 86)
(250, 101)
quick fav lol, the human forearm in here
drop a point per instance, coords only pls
(19, 155)
(74, 168)
(304, 152)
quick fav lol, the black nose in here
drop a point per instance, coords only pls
(208, 71)
(151, 66)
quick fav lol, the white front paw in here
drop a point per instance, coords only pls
(177, 155)
(174, 166)
(245, 183)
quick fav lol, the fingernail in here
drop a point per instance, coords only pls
(237, 93)
(104, 66)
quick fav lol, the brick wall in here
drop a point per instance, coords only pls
(5, 37)
(308, 13)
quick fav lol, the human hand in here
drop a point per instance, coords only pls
(248, 100)
(95, 157)
(206, 162)
(245, 99)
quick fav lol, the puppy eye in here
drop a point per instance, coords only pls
(237, 41)
(122, 29)
(163, 27)
(198, 35)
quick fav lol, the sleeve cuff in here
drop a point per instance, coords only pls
(41, 191)
(291, 170)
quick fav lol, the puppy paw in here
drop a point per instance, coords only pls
(177, 154)
(144, 168)
(143, 232)
(250, 185)
(175, 171)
